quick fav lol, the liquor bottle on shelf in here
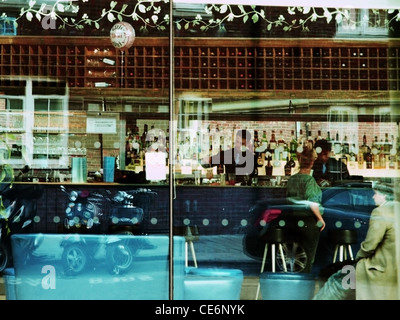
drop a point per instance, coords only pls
(392, 159)
(260, 160)
(328, 136)
(352, 153)
(346, 147)
(392, 155)
(382, 158)
(360, 159)
(375, 153)
(310, 140)
(375, 145)
(281, 140)
(287, 167)
(352, 157)
(337, 146)
(387, 144)
(364, 147)
(272, 142)
(375, 159)
(368, 160)
(300, 141)
(292, 162)
(318, 137)
(264, 139)
(256, 139)
(285, 151)
(144, 136)
(293, 146)
(268, 167)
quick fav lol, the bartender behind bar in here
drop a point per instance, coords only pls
(241, 160)
(328, 170)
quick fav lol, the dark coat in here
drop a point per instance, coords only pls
(336, 170)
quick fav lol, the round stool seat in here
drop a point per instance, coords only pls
(275, 235)
(343, 236)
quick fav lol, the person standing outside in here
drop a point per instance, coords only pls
(376, 269)
(307, 222)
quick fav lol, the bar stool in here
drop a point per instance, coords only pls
(273, 237)
(191, 234)
(343, 239)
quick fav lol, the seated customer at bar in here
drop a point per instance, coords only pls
(306, 223)
(240, 160)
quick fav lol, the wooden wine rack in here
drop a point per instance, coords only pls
(207, 64)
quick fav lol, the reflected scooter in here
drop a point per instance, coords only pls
(18, 207)
(84, 215)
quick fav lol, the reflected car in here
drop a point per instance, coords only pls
(346, 207)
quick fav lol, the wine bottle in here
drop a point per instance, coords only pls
(293, 147)
(268, 167)
(328, 136)
(319, 137)
(288, 166)
(108, 61)
(368, 160)
(281, 140)
(102, 84)
(300, 142)
(337, 146)
(365, 148)
(272, 142)
(387, 144)
(346, 147)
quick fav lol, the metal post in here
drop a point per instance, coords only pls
(171, 151)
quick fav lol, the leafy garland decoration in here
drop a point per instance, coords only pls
(150, 14)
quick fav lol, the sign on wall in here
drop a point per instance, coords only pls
(101, 125)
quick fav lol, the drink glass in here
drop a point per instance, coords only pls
(197, 176)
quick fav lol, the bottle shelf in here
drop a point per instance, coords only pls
(202, 65)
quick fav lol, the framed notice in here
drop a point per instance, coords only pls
(101, 125)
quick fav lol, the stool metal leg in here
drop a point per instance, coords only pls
(262, 268)
(340, 253)
(350, 252)
(186, 254)
(335, 254)
(273, 256)
(282, 257)
(264, 258)
(193, 253)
